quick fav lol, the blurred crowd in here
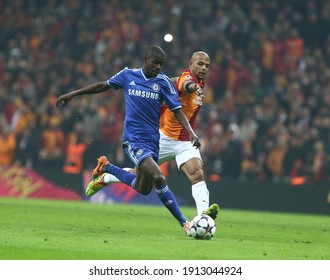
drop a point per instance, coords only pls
(266, 115)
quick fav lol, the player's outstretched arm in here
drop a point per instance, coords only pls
(182, 119)
(191, 87)
(91, 89)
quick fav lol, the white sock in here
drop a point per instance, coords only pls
(201, 195)
(109, 178)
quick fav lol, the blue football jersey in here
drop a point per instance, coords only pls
(143, 98)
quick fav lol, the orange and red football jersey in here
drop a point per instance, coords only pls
(191, 104)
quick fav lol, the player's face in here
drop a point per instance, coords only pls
(199, 65)
(153, 65)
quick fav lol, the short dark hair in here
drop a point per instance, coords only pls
(153, 51)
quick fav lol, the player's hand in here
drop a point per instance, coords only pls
(194, 140)
(199, 90)
(63, 100)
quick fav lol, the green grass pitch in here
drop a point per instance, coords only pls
(66, 230)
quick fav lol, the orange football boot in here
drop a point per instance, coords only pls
(98, 170)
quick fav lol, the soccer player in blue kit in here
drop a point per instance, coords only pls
(145, 90)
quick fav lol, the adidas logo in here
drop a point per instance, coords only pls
(132, 83)
(169, 202)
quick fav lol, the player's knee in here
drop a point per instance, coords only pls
(158, 179)
(197, 176)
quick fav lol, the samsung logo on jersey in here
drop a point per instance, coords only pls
(142, 93)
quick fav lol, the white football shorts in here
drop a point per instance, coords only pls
(181, 151)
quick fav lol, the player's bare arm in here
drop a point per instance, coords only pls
(182, 119)
(90, 89)
(190, 87)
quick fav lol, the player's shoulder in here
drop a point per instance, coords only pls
(163, 77)
(128, 69)
(187, 75)
(135, 69)
(129, 72)
(121, 72)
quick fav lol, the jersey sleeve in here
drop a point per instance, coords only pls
(171, 95)
(186, 76)
(117, 80)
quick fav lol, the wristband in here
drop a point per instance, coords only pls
(187, 87)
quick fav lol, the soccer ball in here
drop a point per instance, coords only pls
(202, 227)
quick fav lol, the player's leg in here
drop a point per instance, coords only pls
(149, 175)
(167, 148)
(149, 171)
(102, 181)
(167, 152)
(142, 182)
(102, 176)
(107, 171)
(189, 161)
(170, 148)
(194, 171)
(109, 178)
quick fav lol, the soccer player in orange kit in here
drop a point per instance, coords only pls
(174, 141)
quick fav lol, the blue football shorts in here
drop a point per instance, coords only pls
(138, 151)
